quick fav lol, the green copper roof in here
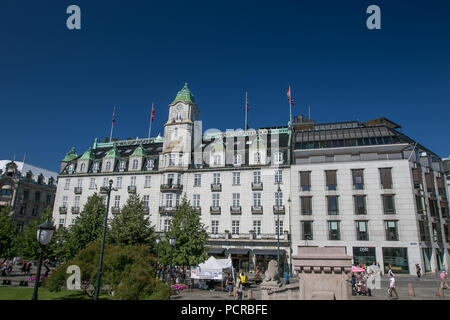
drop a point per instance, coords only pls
(88, 155)
(138, 152)
(112, 153)
(184, 95)
(70, 155)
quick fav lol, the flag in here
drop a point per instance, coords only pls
(246, 102)
(153, 112)
(290, 98)
(113, 116)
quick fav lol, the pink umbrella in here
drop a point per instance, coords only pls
(358, 269)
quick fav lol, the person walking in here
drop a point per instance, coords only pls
(229, 285)
(29, 268)
(444, 277)
(391, 284)
(239, 288)
(418, 271)
(286, 277)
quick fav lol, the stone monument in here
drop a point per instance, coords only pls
(271, 277)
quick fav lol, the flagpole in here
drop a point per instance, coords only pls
(112, 125)
(151, 120)
(246, 106)
(290, 106)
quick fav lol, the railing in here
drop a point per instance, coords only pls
(78, 190)
(257, 209)
(167, 209)
(198, 209)
(131, 189)
(216, 187)
(214, 210)
(146, 210)
(257, 186)
(115, 210)
(171, 187)
(75, 210)
(278, 210)
(235, 209)
(63, 210)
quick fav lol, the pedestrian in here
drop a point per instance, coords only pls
(286, 277)
(390, 271)
(24, 267)
(29, 268)
(239, 289)
(353, 284)
(418, 270)
(229, 285)
(392, 284)
(444, 277)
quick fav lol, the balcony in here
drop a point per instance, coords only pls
(63, 210)
(216, 187)
(78, 190)
(131, 189)
(235, 209)
(278, 210)
(115, 210)
(257, 186)
(171, 187)
(198, 209)
(257, 210)
(167, 209)
(75, 210)
(215, 210)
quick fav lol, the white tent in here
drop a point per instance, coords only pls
(211, 269)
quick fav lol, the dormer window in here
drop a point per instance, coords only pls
(122, 165)
(180, 159)
(279, 157)
(178, 115)
(217, 159)
(135, 163)
(82, 166)
(71, 168)
(257, 157)
(108, 165)
(237, 159)
(150, 164)
(96, 165)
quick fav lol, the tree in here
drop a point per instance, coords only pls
(190, 237)
(8, 234)
(87, 228)
(130, 226)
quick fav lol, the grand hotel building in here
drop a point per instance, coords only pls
(365, 186)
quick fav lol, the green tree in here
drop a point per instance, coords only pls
(190, 237)
(8, 234)
(130, 226)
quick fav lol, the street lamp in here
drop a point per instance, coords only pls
(158, 240)
(44, 236)
(172, 243)
(278, 231)
(290, 246)
(103, 190)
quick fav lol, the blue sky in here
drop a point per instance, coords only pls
(58, 87)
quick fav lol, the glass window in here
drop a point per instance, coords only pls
(169, 200)
(278, 199)
(237, 159)
(278, 176)
(306, 205)
(257, 157)
(119, 183)
(215, 226)
(279, 227)
(334, 231)
(257, 177)
(108, 165)
(146, 200)
(391, 230)
(133, 181)
(77, 202)
(216, 199)
(236, 199)
(236, 178)
(92, 183)
(64, 202)
(147, 181)
(197, 179)
(67, 185)
(307, 231)
(257, 226)
(386, 178)
(360, 204)
(216, 178)
(305, 180)
(257, 199)
(196, 200)
(105, 182)
(358, 179)
(330, 176)
(135, 164)
(389, 204)
(235, 227)
(332, 205)
(362, 233)
(116, 201)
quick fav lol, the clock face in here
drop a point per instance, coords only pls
(179, 107)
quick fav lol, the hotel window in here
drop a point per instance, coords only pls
(197, 180)
(79, 182)
(279, 227)
(146, 200)
(122, 165)
(307, 230)
(116, 201)
(170, 177)
(257, 226)
(133, 181)
(217, 159)
(257, 157)
(104, 200)
(257, 177)
(92, 183)
(196, 200)
(236, 178)
(237, 159)
(278, 176)
(150, 164)
(147, 181)
(216, 178)
(235, 227)
(61, 222)
(333, 230)
(64, 202)
(391, 230)
(388, 203)
(82, 166)
(423, 231)
(278, 199)
(105, 182)
(119, 183)
(180, 159)
(171, 159)
(333, 208)
(386, 178)
(77, 202)
(135, 164)
(167, 223)
(216, 200)
(96, 166)
(330, 176)
(306, 205)
(305, 180)
(108, 166)
(362, 233)
(360, 204)
(169, 200)
(71, 168)
(236, 199)
(215, 226)
(358, 179)
(257, 199)
(67, 185)
(278, 157)
(177, 200)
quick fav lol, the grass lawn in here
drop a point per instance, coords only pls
(18, 293)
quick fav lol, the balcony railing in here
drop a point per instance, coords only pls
(171, 187)
(146, 210)
(198, 209)
(78, 190)
(115, 210)
(167, 209)
(278, 209)
(235, 209)
(63, 210)
(257, 209)
(75, 210)
(257, 186)
(216, 187)
(214, 210)
(131, 189)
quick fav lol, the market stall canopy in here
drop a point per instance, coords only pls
(358, 269)
(215, 265)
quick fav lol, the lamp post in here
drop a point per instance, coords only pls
(172, 243)
(158, 240)
(103, 190)
(290, 246)
(44, 236)
(278, 231)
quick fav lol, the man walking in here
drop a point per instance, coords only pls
(444, 277)
(418, 270)
(391, 284)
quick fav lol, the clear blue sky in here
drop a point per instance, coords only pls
(58, 87)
